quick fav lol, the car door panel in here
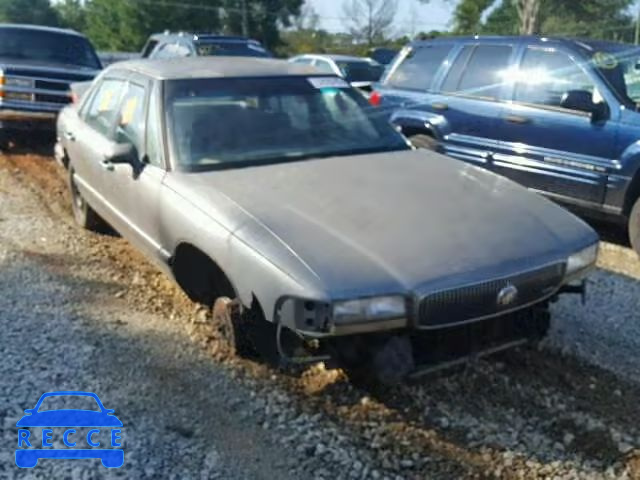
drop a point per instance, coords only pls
(550, 148)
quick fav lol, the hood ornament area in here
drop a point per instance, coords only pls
(507, 296)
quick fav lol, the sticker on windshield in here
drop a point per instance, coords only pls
(605, 60)
(328, 82)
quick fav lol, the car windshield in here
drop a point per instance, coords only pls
(69, 402)
(622, 71)
(361, 71)
(44, 46)
(225, 123)
(235, 49)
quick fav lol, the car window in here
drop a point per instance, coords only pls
(303, 61)
(323, 66)
(419, 67)
(131, 117)
(223, 123)
(458, 67)
(148, 48)
(154, 130)
(546, 75)
(168, 50)
(485, 72)
(103, 109)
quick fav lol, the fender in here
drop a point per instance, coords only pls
(435, 124)
(623, 187)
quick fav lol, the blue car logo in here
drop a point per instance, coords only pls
(97, 421)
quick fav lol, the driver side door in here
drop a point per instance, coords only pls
(547, 145)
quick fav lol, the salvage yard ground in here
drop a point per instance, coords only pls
(81, 311)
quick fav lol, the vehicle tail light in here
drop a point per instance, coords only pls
(375, 98)
(74, 97)
(1, 84)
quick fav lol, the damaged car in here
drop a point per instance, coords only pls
(278, 198)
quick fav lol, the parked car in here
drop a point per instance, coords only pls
(559, 116)
(107, 58)
(37, 64)
(277, 196)
(182, 44)
(384, 56)
(360, 72)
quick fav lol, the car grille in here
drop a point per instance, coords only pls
(50, 87)
(471, 302)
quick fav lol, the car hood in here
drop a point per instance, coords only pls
(69, 418)
(391, 221)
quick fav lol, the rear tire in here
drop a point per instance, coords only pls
(426, 142)
(84, 215)
(634, 227)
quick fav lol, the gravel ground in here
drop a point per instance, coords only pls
(84, 311)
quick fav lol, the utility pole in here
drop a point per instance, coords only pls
(245, 19)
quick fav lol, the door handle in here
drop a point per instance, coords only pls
(107, 165)
(70, 136)
(440, 106)
(517, 119)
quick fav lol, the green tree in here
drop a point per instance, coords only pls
(467, 16)
(37, 12)
(124, 25)
(260, 19)
(72, 14)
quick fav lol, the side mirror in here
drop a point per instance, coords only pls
(121, 153)
(582, 101)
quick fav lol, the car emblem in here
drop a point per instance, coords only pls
(507, 296)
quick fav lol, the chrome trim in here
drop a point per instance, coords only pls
(30, 107)
(493, 315)
(422, 297)
(36, 91)
(368, 327)
(42, 79)
(24, 115)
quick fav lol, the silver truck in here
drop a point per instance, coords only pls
(37, 66)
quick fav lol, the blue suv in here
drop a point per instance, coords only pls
(560, 116)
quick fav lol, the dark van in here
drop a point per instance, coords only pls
(560, 116)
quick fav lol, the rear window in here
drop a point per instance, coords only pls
(481, 72)
(234, 49)
(419, 67)
(361, 71)
(45, 46)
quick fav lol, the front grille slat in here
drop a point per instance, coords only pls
(458, 305)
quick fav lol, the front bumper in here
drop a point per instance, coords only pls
(21, 120)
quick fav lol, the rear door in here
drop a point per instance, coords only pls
(470, 101)
(550, 147)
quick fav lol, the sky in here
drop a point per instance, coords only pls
(412, 15)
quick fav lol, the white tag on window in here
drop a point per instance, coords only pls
(328, 82)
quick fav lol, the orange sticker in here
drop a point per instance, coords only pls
(105, 101)
(129, 111)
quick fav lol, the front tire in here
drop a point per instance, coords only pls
(634, 226)
(83, 214)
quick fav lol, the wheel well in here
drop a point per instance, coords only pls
(199, 276)
(413, 131)
(633, 193)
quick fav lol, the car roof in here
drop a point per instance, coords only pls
(584, 44)
(202, 36)
(24, 26)
(338, 58)
(213, 67)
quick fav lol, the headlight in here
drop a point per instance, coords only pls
(582, 260)
(369, 309)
